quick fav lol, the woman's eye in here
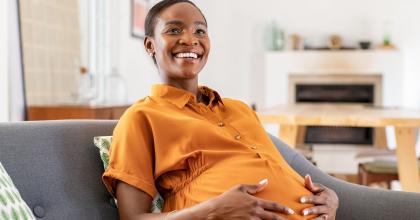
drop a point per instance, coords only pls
(201, 32)
(174, 31)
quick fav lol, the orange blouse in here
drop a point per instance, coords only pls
(190, 152)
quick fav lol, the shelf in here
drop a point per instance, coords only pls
(373, 51)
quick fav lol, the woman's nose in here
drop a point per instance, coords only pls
(188, 39)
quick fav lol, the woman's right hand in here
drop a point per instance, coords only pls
(240, 203)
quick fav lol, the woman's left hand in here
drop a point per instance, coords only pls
(324, 199)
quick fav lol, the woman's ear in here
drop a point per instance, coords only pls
(149, 46)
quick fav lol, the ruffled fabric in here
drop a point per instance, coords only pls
(175, 186)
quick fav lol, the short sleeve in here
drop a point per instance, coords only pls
(131, 154)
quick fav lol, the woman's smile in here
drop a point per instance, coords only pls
(188, 56)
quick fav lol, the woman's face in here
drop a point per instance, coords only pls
(180, 43)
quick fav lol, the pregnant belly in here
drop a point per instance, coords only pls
(284, 186)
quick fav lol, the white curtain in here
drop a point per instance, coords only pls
(98, 32)
(4, 100)
(3, 62)
(15, 71)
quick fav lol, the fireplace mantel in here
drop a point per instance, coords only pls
(279, 65)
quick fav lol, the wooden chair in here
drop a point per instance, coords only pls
(379, 172)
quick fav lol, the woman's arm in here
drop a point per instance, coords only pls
(236, 204)
(134, 204)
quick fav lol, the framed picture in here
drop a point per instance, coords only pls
(139, 9)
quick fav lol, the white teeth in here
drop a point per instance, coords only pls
(187, 55)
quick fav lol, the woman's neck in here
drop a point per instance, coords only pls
(187, 85)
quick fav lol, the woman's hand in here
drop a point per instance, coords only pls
(239, 203)
(324, 199)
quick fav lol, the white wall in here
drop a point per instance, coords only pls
(4, 102)
(411, 49)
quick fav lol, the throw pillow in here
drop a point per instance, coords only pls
(12, 205)
(104, 144)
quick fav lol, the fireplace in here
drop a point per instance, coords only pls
(336, 89)
(337, 93)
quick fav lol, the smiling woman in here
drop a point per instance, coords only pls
(209, 157)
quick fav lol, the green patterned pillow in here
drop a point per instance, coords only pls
(12, 206)
(104, 143)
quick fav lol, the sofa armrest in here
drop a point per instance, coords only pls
(356, 202)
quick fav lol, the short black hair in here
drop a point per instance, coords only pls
(151, 18)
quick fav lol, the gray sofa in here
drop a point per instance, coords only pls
(57, 169)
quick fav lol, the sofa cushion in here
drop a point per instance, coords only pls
(56, 167)
(104, 144)
(12, 205)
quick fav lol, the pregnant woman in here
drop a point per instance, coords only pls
(209, 157)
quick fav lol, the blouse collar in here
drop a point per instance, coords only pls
(180, 97)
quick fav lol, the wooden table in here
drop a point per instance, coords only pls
(292, 118)
(57, 112)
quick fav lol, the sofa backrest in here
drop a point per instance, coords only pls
(56, 167)
(58, 172)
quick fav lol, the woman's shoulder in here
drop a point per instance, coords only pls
(142, 104)
(236, 104)
(137, 115)
(239, 108)
(140, 108)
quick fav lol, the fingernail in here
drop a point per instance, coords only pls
(263, 182)
(291, 211)
(305, 212)
(303, 200)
